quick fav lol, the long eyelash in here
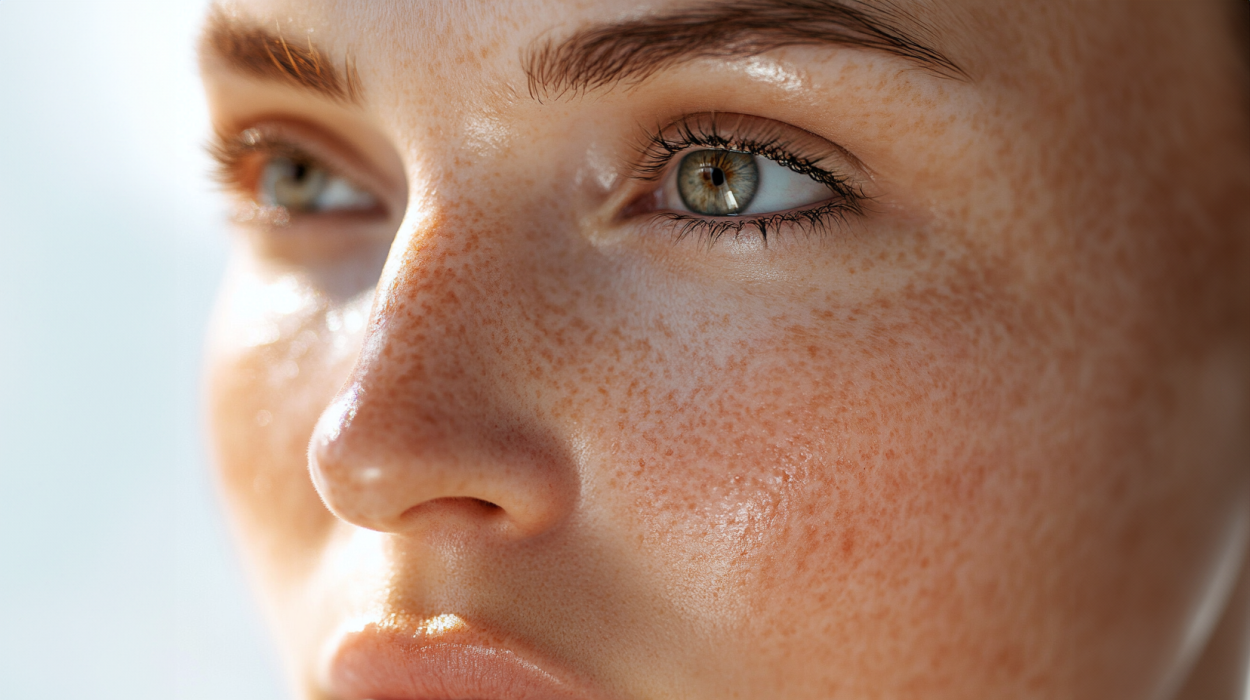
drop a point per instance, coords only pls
(231, 152)
(663, 145)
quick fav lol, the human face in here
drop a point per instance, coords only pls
(732, 360)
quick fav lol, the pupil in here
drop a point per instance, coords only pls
(717, 176)
(300, 171)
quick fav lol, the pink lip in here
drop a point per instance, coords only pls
(379, 663)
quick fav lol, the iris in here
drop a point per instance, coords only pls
(717, 182)
(303, 186)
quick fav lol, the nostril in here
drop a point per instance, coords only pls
(451, 506)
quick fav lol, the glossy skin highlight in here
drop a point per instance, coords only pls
(988, 440)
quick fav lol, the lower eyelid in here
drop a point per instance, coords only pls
(825, 219)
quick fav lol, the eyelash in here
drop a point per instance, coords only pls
(664, 145)
(238, 158)
(231, 154)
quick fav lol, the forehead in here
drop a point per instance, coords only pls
(442, 48)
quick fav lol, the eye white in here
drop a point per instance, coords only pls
(778, 189)
(339, 194)
(308, 187)
(782, 189)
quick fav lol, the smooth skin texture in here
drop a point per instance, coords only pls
(987, 439)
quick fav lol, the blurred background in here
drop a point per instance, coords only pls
(117, 576)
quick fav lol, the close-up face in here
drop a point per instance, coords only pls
(755, 349)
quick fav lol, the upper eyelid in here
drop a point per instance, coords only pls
(741, 132)
(291, 137)
(796, 148)
(229, 149)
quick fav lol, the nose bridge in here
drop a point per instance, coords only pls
(430, 423)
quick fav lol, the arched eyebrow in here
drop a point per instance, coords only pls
(265, 54)
(630, 52)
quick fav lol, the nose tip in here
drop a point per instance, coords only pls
(392, 476)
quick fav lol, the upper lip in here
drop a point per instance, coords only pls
(442, 658)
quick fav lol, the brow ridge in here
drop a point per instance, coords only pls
(630, 52)
(265, 54)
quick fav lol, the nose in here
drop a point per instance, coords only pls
(436, 423)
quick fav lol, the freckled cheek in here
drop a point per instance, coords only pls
(773, 456)
(700, 443)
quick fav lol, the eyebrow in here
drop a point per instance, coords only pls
(265, 54)
(632, 51)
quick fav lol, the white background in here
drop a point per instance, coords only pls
(117, 577)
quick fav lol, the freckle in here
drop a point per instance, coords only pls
(848, 542)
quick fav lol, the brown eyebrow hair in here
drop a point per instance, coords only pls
(261, 53)
(634, 50)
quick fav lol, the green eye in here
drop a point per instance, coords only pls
(303, 186)
(717, 182)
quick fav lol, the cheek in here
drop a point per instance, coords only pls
(887, 472)
(784, 476)
(828, 425)
(279, 352)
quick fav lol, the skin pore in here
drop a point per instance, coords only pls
(973, 423)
